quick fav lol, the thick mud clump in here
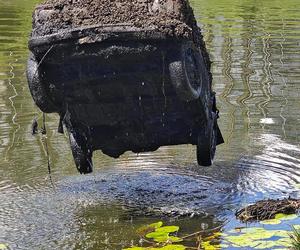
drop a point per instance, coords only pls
(267, 209)
(172, 17)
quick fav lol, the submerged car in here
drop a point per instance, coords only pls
(131, 84)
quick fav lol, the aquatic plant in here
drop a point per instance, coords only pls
(295, 238)
(160, 237)
(156, 236)
(3, 246)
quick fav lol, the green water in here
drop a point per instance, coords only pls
(255, 49)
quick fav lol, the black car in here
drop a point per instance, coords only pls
(119, 87)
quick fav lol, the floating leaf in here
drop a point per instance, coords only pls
(266, 244)
(206, 245)
(281, 233)
(259, 235)
(156, 224)
(241, 241)
(271, 222)
(3, 246)
(260, 238)
(162, 239)
(285, 242)
(166, 238)
(175, 239)
(161, 234)
(133, 248)
(224, 245)
(161, 231)
(168, 229)
(156, 234)
(282, 216)
(252, 230)
(170, 247)
(251, 235)
(149, 228)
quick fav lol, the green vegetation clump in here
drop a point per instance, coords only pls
(295, 238)
(263, 236)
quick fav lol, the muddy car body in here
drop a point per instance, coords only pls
(121, 86)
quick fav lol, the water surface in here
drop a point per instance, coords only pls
(255, 49)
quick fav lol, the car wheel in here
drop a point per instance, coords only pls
(207, 143)
(189, 74)
(82, 154)
(37, 90)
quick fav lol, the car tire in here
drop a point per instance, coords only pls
(37, 90)
(207, 143)
(81, 154)
(188, 74)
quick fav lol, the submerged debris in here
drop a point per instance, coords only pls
(267, 209)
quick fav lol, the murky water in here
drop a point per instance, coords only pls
(255, 47)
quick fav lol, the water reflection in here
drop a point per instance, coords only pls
(256, 66)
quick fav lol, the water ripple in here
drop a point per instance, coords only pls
(256, 64)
